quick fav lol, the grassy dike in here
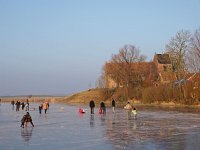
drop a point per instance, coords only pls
(84, 97)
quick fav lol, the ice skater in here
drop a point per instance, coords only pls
(26, 119)
(92, 105)
(40, 108)
(102, 109)
(134, 111)
(13, 104)
(128, 108)
(113, 105)
(17, 105)
(23, 105)
(45, 107)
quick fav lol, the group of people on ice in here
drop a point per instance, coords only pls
(25, 106)
(102, 109)
(19, 104)
(129, 108)
(27, 117)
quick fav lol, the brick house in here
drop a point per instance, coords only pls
(157, 72)
(164, 69)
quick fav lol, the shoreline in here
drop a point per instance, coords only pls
(137, 105)
(75, 101)
(32, 99)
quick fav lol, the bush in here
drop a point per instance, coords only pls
(135, 93)
(160, 94)
(107, 93)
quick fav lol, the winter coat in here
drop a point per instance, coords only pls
(128, 107)
(45, 106)
(92, 104)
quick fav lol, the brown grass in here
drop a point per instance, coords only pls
(84, 97)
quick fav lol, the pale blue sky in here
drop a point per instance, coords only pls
(60, 46)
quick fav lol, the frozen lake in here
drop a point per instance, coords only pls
(66, 129)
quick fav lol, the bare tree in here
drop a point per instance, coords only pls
(120, 67)
(101, 80)
(178, 48)
(194, 52)
(123, 61)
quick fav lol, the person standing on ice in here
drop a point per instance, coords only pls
(17, 105)
(45, 107)
(27, 105)
(102, 108)
(92, 105)
(113, 105)
(23, 105)
(134, 111)
(40, 108)
(128, 108)
(13, 104)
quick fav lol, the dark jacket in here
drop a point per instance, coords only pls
(26, 118)
(102, 105)
(92, 104)
(23, 119)
(113, 103)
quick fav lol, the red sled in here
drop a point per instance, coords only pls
(100, 111)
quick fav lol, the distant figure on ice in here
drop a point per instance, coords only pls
(92, 105)
(23, 105)
(27, 105)
(113, 105)
(13, 104)
(48, 105)
(45, 107)
(102, 109)
(134, 111)
(128, 108)
(26, 118)
(81, 110)
(40, 108)
(17, 105)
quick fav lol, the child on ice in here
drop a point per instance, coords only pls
(134, 111)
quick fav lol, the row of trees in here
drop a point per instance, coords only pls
(184, 50)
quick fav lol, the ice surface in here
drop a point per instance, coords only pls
(63, 128)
